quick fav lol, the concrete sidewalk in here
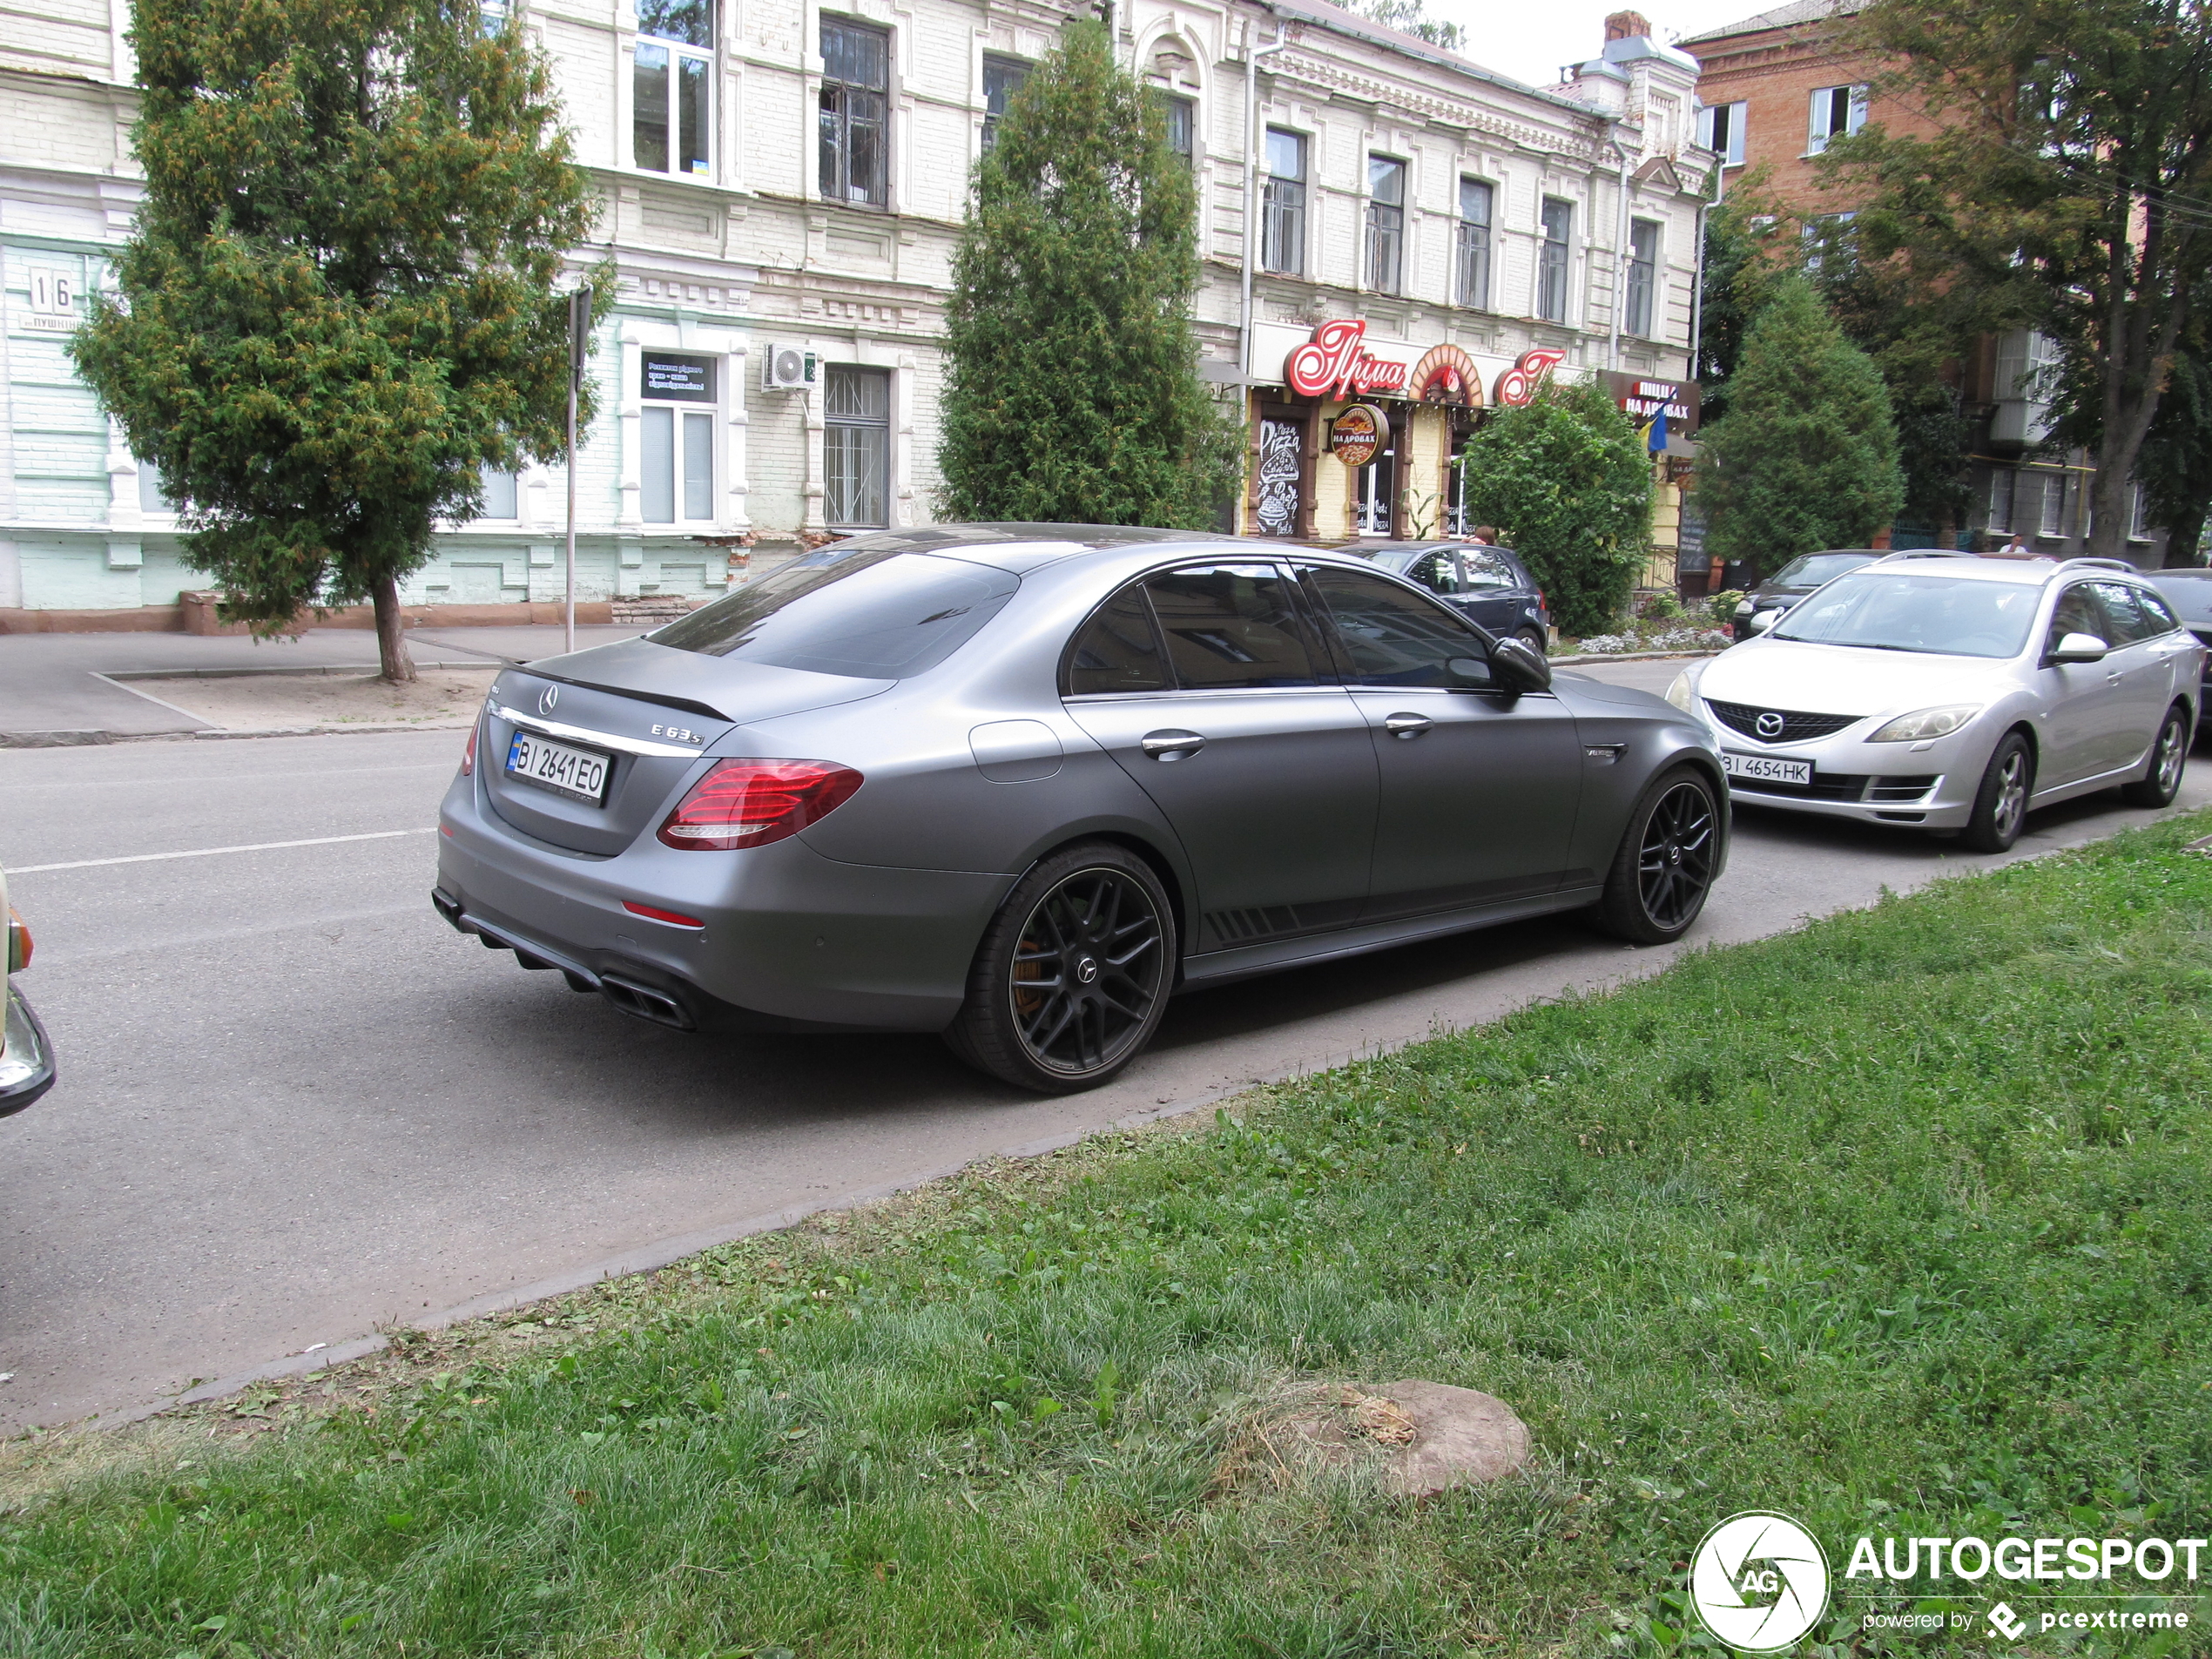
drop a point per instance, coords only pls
(51, 690)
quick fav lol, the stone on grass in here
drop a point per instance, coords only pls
(1420, 1438)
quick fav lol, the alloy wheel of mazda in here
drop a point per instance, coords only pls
(2162, 780)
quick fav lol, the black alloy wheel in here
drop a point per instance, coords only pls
(1667, 860)
(2162, 779)
(1073, 976)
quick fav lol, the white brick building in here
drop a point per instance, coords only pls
(783, 182)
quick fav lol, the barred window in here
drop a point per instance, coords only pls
(856, 447)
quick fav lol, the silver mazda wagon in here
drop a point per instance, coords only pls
(1019, 784)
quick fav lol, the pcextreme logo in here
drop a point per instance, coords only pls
(1759, 1581)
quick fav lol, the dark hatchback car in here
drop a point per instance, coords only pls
(1792, 583)
(2189, 591)
(1487, 585)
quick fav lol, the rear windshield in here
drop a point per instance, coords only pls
(1947, 617)
(878, 614)
(1813, 569)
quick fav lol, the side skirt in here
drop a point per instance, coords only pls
(1221, 966)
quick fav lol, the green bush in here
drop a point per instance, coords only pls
(1567, 481)
(1723, 606)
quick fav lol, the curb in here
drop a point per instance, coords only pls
(96, 737)
(1631, 656)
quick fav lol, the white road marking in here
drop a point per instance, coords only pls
(210, 852)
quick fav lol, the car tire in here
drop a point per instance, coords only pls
(1669, 852)
(1073, 974)
(2169, 753)
(1534, 640)
(2001, 804)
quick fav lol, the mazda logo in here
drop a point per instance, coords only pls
(551, 695)
(1769, 725)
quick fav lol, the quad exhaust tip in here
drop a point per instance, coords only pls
(646, 1003)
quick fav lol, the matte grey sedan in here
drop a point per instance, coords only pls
(1019, 784)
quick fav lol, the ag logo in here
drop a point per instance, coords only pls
(1759, 1581)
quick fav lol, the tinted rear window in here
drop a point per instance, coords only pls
(1813, 569)
(876, 614)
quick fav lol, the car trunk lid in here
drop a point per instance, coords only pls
(651, 712)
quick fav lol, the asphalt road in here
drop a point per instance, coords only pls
(295, 1105)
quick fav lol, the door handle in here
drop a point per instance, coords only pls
(1171, 745)
(1406, 725)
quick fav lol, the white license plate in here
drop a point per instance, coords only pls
(1767, 768)
(555, 766)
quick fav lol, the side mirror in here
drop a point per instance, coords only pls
(1761, 621)
(2081, 648)
(1521, 666)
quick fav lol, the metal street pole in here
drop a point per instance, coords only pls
(579, 338)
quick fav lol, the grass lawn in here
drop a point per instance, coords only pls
(1901, 1224)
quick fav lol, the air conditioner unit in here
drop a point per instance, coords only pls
(786, 368)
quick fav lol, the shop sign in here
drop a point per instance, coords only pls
(683, 380)
(1642, 397)
(1358, 433)
(1335, 363)
(1518, 384)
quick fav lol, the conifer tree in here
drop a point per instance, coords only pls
(1072, 390)
(1806, 456)
(338, 303)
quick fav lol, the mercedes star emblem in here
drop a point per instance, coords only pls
(551, 695)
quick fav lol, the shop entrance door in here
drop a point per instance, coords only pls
(1374, 489)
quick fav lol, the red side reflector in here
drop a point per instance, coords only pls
(752, 803)
(673, 918)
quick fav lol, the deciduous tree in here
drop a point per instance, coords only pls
(2071, 175)
(1567, 479)
(339, 301)
(1072, 390)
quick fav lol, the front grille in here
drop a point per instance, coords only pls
(1892, 790)
(1796, 727)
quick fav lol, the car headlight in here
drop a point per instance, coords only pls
(1927, 723)
(1683, 692)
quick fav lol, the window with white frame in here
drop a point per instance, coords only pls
(2137, 523)
(856, 447)
(152, 497)
(1836, 112)
(855, 112)
(1386, 223)
(676, 438)
(1643, 275)
(1557, 219)
(2053, 520)
(673, 88)
(502, 498)
(1002, 78)
(1283, 229)
(1477, 201)
(1720, 129)
(1181, 116)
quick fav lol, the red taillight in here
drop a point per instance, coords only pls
(751, 803)
(468, 755)
(673, 918)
